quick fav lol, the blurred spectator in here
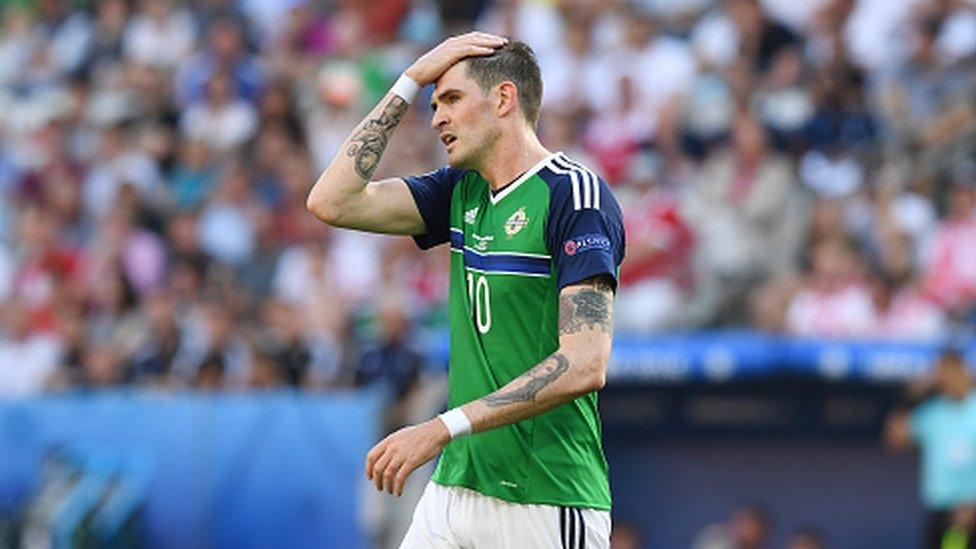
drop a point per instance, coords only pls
(257, 275)
(18, 39)
(843, 120)
(905, 311)
(159, 35)
(284, 345)
(264, 373)
(210, 375)
(834, 301)
(119, 163)
(638, 89)
(616, 131)
(706, 112)
(950, 263)
(109, 28)
(759, 37)
(225, 53)
(221, 120)
(783, 101)
(626, 535)
(277, 110)
(748, 221)
(218, 356)
(27, 360)
(943, 426)
(331, 109)
(46, 268)
(655, 278)
(570, 61)
(304, 277)
(162, 340)
(185, 250)
(226, 226)
(748, 528)
(101, 366)
(391, 361)
(194, 176)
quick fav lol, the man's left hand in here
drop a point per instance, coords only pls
(391, 461)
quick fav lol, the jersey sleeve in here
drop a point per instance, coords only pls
(432, 194)
(584, 241)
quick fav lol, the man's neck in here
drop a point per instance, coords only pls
(959, 394)
(511, 158)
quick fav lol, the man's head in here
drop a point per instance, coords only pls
(480, 98)
(952, 375)
(751, 527)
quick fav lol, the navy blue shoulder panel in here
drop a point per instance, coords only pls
(432, 194)
(584, 231)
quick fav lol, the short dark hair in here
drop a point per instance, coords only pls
(515, 62)
(952, 355)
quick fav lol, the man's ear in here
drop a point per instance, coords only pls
(506, 99)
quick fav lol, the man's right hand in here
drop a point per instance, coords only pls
(431, 65)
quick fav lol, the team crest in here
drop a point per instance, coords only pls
(515, 223)
(471, 215)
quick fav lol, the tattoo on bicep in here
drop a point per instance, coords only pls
(591, 307)
(369, 142)
(536, 379)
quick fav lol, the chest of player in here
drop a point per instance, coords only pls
(504, 233)
(500, 261)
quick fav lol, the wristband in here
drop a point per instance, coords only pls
(406, 88)
(457, 423)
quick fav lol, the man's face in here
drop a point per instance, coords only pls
(953, 377)
(463, 117)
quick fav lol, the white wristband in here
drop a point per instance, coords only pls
(406, 88)
(457, 423)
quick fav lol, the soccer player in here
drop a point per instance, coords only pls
(536, 242)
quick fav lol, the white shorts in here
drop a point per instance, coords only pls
(455, 517)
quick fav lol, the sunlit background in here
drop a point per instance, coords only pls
(189, 359)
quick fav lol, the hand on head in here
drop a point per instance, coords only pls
(430, 66)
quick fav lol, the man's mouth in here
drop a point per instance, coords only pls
(447, 139)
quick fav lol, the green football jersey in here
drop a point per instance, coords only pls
(511, 254)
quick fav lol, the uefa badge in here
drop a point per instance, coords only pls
(516, 222)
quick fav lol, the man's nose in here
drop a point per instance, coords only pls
(438, 119)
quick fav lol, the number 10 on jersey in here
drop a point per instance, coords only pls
(479, 295)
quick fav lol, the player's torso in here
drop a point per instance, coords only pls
(504, 321)
(503, 291)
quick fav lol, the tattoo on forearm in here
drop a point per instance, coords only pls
(536, 379)
(587, 308)
(369, 142)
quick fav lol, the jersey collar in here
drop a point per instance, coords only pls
(496, 198)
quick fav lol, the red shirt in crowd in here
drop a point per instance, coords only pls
(659, 240)
(845, 311)
(950, 276)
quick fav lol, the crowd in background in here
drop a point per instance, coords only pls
(797, 167)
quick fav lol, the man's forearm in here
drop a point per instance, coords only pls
(558, 379)
(366, 145)
(353, 166)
